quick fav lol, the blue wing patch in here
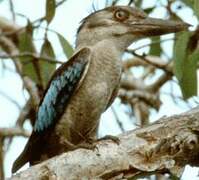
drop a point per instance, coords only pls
(58, 94)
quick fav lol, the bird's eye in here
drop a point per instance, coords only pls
(121, 15)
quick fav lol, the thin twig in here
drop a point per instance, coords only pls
(12, 10)
(33, 55)
(158, 65)
(114, 2)
(130, 2)
(150, 99)
(15, 131)
(152, 43)
(117, 119)
(11, 100)
(41, 19)
(159, 82)
(151, 61)
(9, 47)
(60, 3)
(33, 90)
(2, 158)
(24, 114)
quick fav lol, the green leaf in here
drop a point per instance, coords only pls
(180, 52)
(189, 79)
(185, 65)
(196, 7)
(67, 48)
(47, 68)
(149, 10)
(25, 44)
(155, 48)
(138, 3)
(50, 10)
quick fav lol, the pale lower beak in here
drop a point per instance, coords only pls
(154, 27)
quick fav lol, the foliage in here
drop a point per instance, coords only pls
(186, 62)
(50, 10)
(67, 48)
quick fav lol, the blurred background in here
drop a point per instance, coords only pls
(37, 36)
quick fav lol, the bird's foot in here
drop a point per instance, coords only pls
(84, 145)
(115, 139)
(87, 145)
(69, 146)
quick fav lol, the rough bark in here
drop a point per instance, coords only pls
(164, 146)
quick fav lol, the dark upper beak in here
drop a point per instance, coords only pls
(154, 27)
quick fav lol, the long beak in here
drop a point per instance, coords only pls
(154, 27)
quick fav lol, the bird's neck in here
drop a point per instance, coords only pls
(102, 46)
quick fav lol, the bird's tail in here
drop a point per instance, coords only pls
(21, 160)
(29, 153)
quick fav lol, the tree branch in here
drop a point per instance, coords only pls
(9, 47)
(149, 98)
(7, 26)
(33, 55)
(16, 131)
(165, 146)
(2, 175)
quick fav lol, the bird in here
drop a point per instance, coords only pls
(83, 88)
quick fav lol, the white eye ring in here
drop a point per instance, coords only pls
(121, 15)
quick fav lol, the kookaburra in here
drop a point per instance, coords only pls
(85, 86)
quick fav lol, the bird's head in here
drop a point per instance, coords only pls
(122, 25)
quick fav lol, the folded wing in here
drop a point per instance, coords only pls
(65, 81)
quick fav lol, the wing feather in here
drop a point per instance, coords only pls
(65, 81)
(61, 87)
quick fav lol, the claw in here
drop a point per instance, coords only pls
(90, 142)
(85, 145)
(115, 139)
